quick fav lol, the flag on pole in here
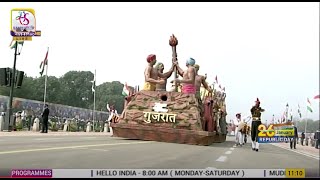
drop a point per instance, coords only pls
(13, 44)
(216, 79)
(44, 63)
(125, 91)
(284, 116)
(299, 112)
(136, 89)
(317, 97)
(273, 119)
(287, 111)
(309, 108)
(93, 88)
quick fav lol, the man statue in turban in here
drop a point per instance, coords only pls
(152, 75)
(188, 77)
(160, 68)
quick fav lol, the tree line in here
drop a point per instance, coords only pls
(312, 125)
(74, 88)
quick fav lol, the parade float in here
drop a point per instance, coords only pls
(173, 117)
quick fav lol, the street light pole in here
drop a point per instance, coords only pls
(9, 111)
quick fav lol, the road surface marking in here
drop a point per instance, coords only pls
(94, 149)
(222, 158)
(88, 137)
(67, 147)
(44, 139)
(99, 149)
(302, 153)
(231, 149)
(228, 152)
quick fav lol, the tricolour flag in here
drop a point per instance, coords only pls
(284, 116)
(299, 112)
(125, 91)
(309, 108)
(93, 88)
(108, 107)
(317, 97)
(44, 63)
(136, 89)
(273, 119)
(13, 44)
(287, 109)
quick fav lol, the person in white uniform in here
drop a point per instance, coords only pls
(247, 121)
(112, 112)
(243, 130)
(237, 133)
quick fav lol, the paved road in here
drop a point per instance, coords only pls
(94, 151)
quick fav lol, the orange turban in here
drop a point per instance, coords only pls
(151, 57)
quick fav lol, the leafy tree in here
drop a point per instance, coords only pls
(110, 92)
(77, 87)
(312, 125)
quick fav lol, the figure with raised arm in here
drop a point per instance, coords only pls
(151, 74)
(113, 114)
(188, 77)
(160, 68)
(256, 111)
(200, 80)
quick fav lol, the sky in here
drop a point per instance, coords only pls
(264, 50)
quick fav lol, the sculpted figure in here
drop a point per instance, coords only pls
(200, 80)
(160, 68)
(152, 75)
(188, 77)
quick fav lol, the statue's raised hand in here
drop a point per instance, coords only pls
(174, 62)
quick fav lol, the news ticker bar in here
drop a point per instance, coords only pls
(157, 173)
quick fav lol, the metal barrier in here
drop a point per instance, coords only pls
(54, 124)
